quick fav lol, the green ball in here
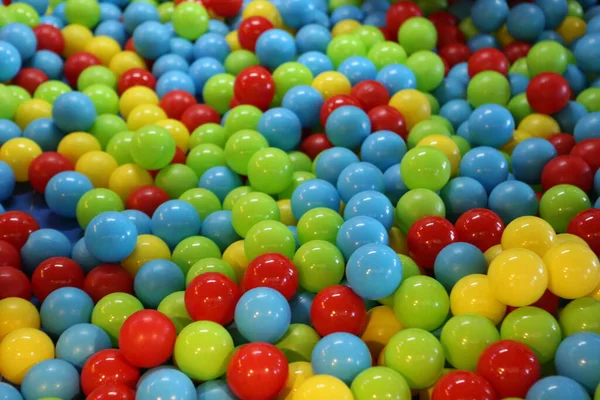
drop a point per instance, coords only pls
(426, 128)
(204, 157)
(345, 46)
(468, 28)
(165, 11)
(239, 60)
(519, 107)
(119, 146)
(19, 93)
(173, 306)
(385, 53)
(319, 224)
(153, 147)
(8, 104)
(416, 204)
(193, 249)
(96, 75)
(561, 203)
(240, 118)
(575, 9)
(463, 145)
(443, 121)
(297, 178)
(380, 383)
(218, 91)
(94, 203)
(425, 168)
(333, 4)
(590, 99)
(320, 264)
(240, 147)
(190, 20)
(210, 265)
(488, 87)
(369, 35)
(269, 237)
(409, 268)
(208, 134)
(176, 179)
(428, 68)
(82, 12)
(270, 170)
(580, 315)
(300, 161)
(105, 99)
(251, 209)
(547, 56)
(421, 302)
(5, 16)
(534, 327)
(520, 67)
(106, 127)
(24, 14)
(464, 337)
(203, 200)
(112, 310)
(433, 103)
(236, 194)
(50, 90)
(298, 343)
(417, 34)
(290, 75)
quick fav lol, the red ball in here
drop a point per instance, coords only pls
(511, 367)
(112, 391)
(370, 94)
(335, 102)
(548, 93)
(398, 13)
(563, 143)
(49, 38)
(455, 53)
(199, 114)
(147, 199)
(569, 170)
(488, 59)
(29, 79)
(9, 256)
(176, 102)
(76, 63)
(45, 166)
(589, 150)
(55, 273)
(254, 86)
(586, 225)
(105, 367)
(448, 34)
(147, 330)
(136, 77)
(427, 237)
(16, 226)
(314, 144)
(106, 279)
(257, 371)
(212, 297)
(338, 309)
(250, 29)
(179, 157)
(224, 8)
(274, 271)
(129, 46)
(14, 283)
(549, 302)
(480, 227)
(387, 118)
(516, 50)
(443, 18)
(463, 385)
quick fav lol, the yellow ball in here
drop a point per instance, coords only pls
(285, 212)
(144, 114)
(18, 153)
(178, 131)
(76, 144)
(76, 38)
(128, 177)
(517, 137)
(596, 292)
(233, 40)
(491, 253)
(539, 125)
(22, 349)
(518, 277)
(571, 29)
(503, 36)
(531, 233)
(17, 313)
(345, 27)
(413, 105)
(235, 255)
(472, 295)
(398, 241)
(323, 387)
(574, 270)
(263, 8)
(446, 146)
(563, 238)
(135, 96)
(331, 83)
(103, 47)
(124, 61)
(31, 110)
(147, 248)
(298, 372)
(382, 324)
(97, 166)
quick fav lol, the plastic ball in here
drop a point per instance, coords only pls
(513, 199)
(16, 227)
(17, 314)
(456, 261)
(490, 125)
(20, 350)
(270, 170)
(218, 290)
(462, 383)
(107, 366)
(585, 273)
(472, 295)
(18, 154)
(14, 283)
(547, 56)
(275, 47)
(425, 168)
(530, 233)
(320, 264)
(73, 111)
(346, 307)
(262, 314)
(11, 61)
(555, 387)
(348, 127)
(274, 271)
(281, 127)
(341, 346)
(55, 273)
(97, 167)
(43, 244)
(106, 279)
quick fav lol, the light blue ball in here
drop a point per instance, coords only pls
(11, 61)
(156, 280)
(597, 182)
(48, 62)
(211, 45)
(182, 47)
(460, 71)
(312, 37)
(576, 79)
(218, 227)
(281, 127)
(202, 70)
(64, 308)
(486, 165)
(42, 245)
(550, 35)
(110, 237)
(166, 383)
(374, 271)
(175, 80)
(52, 20)
(394, 184)
(142, 222)
(306, 103)
(358, 69)
(371, 204)
(383, 149)
(64, 190)
(570, 115)
(359, 177)
(8, 392)
(7, 181)
(45, 133)
(262, 315)
(220, 180)
(275, 47)
(526, 21)
(489, 15)
(110, 12)
(529, 159)
(555, 11)
(462, 194)
(341, 355)
(137, 13)
(21, 36)
(216, 26)
(491, 125)
(81, 255)
(588, 127)
(518, 84)
(450, 89)
(73, 112)
(297, 13)
(348, 126)
(482, 41)
(593, 25)
(360, 231)
(587, 53)
(348, 12)
(113, 29)
(396, 77)
(174, 221)
(456, 261)
(51, 378)
(169, 62)
(316, 62)
(294, 231)
(300, 306)
(513, 199)
(312, 194)
(332, 162)
(8, 130)
(80, 342)
(214, 390)
(376, 18)
(556, 388)
(578, 358)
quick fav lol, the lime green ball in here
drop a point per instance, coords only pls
(428, 68)
(173, 306)
(96, 75)
(433, 103)
(240, 147)
(112, 310)
(165, 11)
(193, 249)
(239, 60)
(547, 56)
(289, 75)
(119, 146)
(205, 156)
(417, 34)
(344, 46)
(416, 204)
(445, 122)
(19, 93)
(425, 167)
(463, 145)
(380, 383)
(153, 147)
(298, 343)
(270, 170)
(5, 16)
(204, 201)
(320, 264)
(467, 27)
(210, 265)
(235, 195)
(520, 67)
(428, 7)
(105, 99)
(369, 35)
(421, 302)
(218, 91)
(208, 134)
(300, 161)
(488, 87)
(54, 3)
(24, 14)
(297, 178)
(95, 202)
(269, 237)
(106, 127)
(50, 90)
(82, 12)
(8, 104)
(190, 20)
(176, 179)
(561, 203)
(319, 224)
(251, 209)
(333, 4)
(575, 9)
(426, 128)
(519, 107)
(590, 99)
(386, 53)
(580, 315)
(242, 117)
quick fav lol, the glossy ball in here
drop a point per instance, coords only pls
(341, 355)
(107, 366)
(338, 309)
(458, 384)
(262, 314)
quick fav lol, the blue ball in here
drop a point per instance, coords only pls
(81, 255)
(587, 53)
(513, 199)
(64, 308)
(166, 383)
(80, 342)
(110, 237)
(300, 305)
(482, 41)
(40, 6)
(463, 131)
(342, 355)
(555, 11)
(348, 126)
(489, 15)
(518, 84)
(294, 231)
(312, 194)
(450, 89)
(358, 69)
(460, 71)
(8, 392)
(306, 103)
(73, 112)
(281, 127)
(394, 185)
(529, 159)
(110, 12)
(175, 80)
(383, 149)
(42, 245)
(218, 227)
(349, 12)
(142, 222)
(550, 35)
(51, 378)
(214, 390)
(262, 315)
(7, 181)
(174, 221)
(297, 13)
(202, 70)
(11, 61)
(486, 165)
(113, 29)
(591, 13)
(312, 37)
(491, 125)
(588, 127)
(64, 190)
(525, 22)
(462, 194)
(456, 261)
(316, 62)
(593, 25)
(169, 62)
(597, 182)
(45, 133)
(456, 112)
(576, 79)
(48, 62)
(359, 231)
(331, 163)
(374, 271)
(216, 26)
(182, 47)
(371, 204)
(220, 181)
(568, 117)
(59, 12)
(156, 280)
(137, 13)
(211, 45)
(275, 47)
(52, 20)
(578, 358)
(556, 388)
(375, 19)
(359, 177)
(396, 77)
(8, 130)
(21, 36)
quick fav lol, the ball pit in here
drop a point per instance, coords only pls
(299, 199)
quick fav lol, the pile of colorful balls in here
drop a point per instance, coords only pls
(299, 200)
